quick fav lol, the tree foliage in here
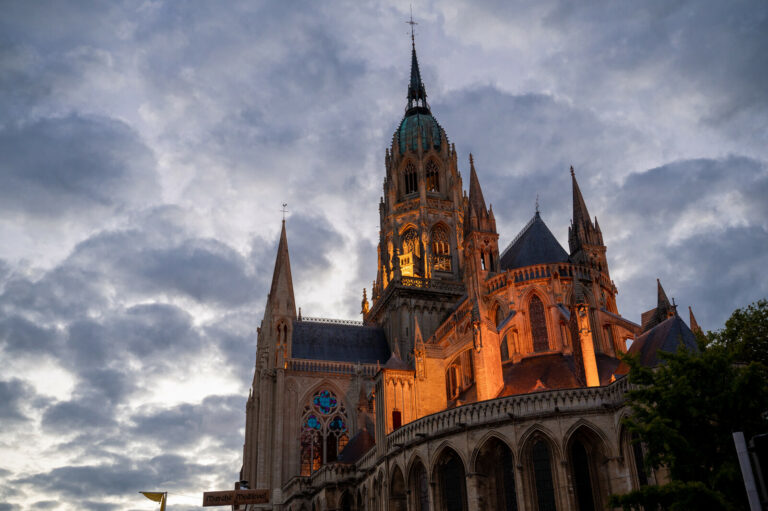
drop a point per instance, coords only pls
(686, 410)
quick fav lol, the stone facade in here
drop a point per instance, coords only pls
(477, 379)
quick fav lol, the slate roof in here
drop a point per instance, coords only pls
(339, 342)
(551, 371)
(360, 444)
(534, 245)
(667, 336)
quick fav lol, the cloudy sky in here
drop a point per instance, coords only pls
(146, 148)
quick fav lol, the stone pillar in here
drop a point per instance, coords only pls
(279, 411)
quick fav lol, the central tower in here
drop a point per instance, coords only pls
(420, 256)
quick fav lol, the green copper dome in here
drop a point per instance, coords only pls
(418, 120)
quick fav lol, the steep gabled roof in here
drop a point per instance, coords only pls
(534, 245)
(339, 342)
(667, 336)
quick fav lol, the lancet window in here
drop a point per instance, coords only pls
(441, 249)
(538, 324)
(324, 432)
(433, 176)
(542, 475)
(411, 179)
(459, 375)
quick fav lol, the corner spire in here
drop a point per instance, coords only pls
(476, 199)
(580, 213)
(695, 328)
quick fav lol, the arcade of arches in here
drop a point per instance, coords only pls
(485, 470)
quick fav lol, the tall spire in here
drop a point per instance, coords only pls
(582, 231)
(416, 90)
(281, 291)
(662, 302)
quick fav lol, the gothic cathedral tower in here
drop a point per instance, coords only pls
(420, 252)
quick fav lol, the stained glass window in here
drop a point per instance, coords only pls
(325, 402)
(538, 324)
(324, 432)
(542, 473)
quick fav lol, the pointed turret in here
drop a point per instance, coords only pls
(281, 300)
(584, 238)
(663, 310)
(695, 328)
(416, 90)
(477, 217)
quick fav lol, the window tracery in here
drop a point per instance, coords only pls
(538, 324)
(459, 375)
(411, 179)
(441, 249)
(433, 176)
(324, 432)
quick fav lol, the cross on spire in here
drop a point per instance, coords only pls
(284, 211)
(412, 24)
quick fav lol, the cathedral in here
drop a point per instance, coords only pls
(479, 378)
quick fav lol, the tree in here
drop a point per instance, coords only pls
(746, 333)
(686, 409)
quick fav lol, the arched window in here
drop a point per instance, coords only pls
(411, 179)
(542, 476)
(452, 482)
(637, 454)
(582, 478)
(441, 249)
(495, 465)
(459, 375)
(538, 324)
(498, 315)
(419, 489)
(504, 347)
(411, 242)
(324, 431)
(433, 176)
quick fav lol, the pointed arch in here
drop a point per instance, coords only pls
(494, 462)
(449, 472)
(397, 492)
(590, 429)
(540, 454)
(587, 453)
(410, 177)
(432, 174)
(487, 437)
(418, 484)
(441, 247)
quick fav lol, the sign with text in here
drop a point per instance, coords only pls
(235, 497)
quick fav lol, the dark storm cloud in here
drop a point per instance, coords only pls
(73, 416)
(13, 393)
(57, 166)
(120, 477)
(716, 267)
(311, 239)
(18, 334)
(216, 419)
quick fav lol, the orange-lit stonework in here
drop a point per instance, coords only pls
(478, 378)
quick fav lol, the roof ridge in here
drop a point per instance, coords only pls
(332, 321)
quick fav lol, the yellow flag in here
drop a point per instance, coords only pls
(157, 497)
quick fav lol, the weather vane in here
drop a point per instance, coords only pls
(412, 24)
(537, 203)
(284, 210)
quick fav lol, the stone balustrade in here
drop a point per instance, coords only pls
(508, 408)
(325, 366)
